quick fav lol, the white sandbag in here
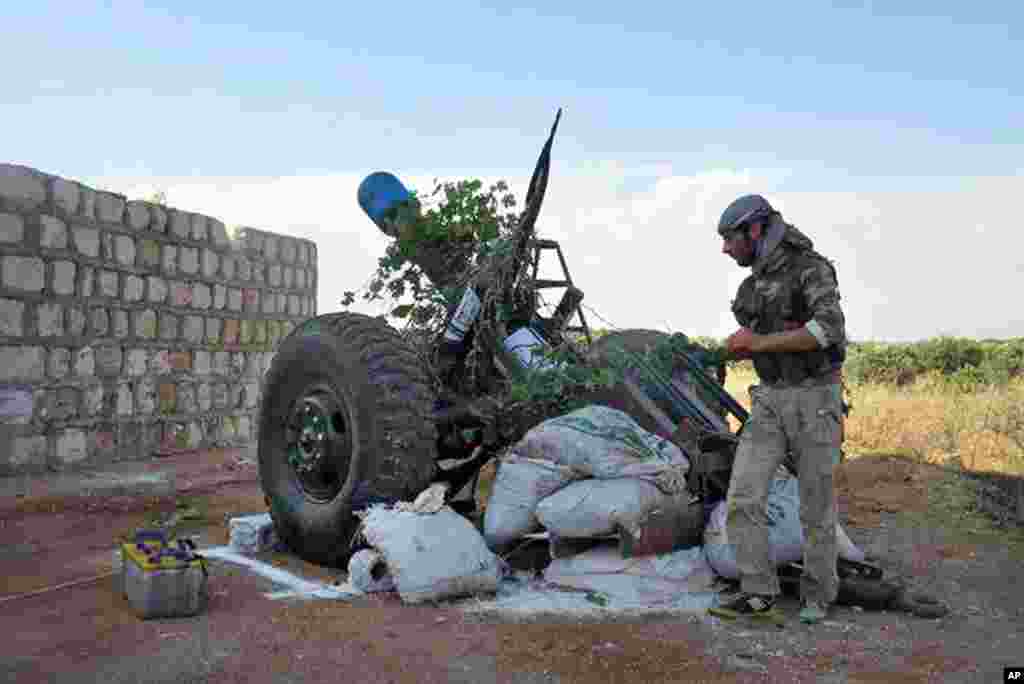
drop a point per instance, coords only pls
(602, 442)
(785, 533)
(368, 572)
(519, 486)
(432, 556)
(646, 580)
(593, 508)
(252, 533)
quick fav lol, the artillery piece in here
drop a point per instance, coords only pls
(352, 414)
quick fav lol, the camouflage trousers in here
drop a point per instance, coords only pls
(804, 423)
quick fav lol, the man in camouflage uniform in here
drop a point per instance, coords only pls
(793, 328)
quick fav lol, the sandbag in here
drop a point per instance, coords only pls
(518, 487)
(432, 556)
(368, 572)
(602, 442)
(785, 533)
(594, 508)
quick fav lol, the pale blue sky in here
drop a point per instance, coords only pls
(829, 107)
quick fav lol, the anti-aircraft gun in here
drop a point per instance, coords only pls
(354, 414)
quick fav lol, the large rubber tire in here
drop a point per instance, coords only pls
(382, 440)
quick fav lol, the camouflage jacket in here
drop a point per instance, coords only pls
(791, 286)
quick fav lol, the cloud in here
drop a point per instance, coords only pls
(641, 242)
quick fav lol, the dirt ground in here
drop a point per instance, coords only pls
(915, 520)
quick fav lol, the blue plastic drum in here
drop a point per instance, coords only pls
(379, 192)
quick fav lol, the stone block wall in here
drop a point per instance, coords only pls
(129, 328)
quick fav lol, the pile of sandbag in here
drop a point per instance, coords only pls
(590, 473)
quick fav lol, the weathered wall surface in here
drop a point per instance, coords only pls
(127, 328)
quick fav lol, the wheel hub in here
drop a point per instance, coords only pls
(318, 445)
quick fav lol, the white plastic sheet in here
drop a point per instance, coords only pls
(362, 568)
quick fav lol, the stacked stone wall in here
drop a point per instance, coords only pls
(129, 328)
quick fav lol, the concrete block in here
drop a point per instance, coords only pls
(12, 228)
(258, 273)
(109, 285)
(243, 268)
(199, 227)
(49, 320)
(282, 302)
(18, 404)
(293, 305)
(251, 300)
(109, 207)
(181, 294)
(221, 363)
(137, 215)
(170, 259)
(145, 324)
(234, 299)
(188, 260)
(92, 400)
(251, 395)
(231, 328)
(134, 287)
(108, 361)
(145, 396)
(119, 323)
(218, 233)
(270, 303)
(124, 250)
(21, 186)
(201, 362)
(87, 241)
(125, 403)
(288, 277)
(27, 454)
(65, 195)
(193, 329)
(86, 281)
(63, 278)
(87, 203)
(157, 218)
(71, 446)
(180, 360)
(99, 321)
(204, 398)
(259, 332)
(252, 533)
(23, 273)
(274, 277)
(22, 363)
(201, 298)
(160, 362)
(227, 267)
(186, 398)
(85, 362)
(288, 251)
(270, 248)
(220, 395)
(180, 224)
(245, 331)
(210, 263)
(300, 278)
(220, 294)
(168, 324)
(58, 363)
(168, 397)
(244, 428)
(136, 362)
(149, 254)
(60, 404)
(213, 330)
(76, 321)
(237, 364)
(156, 290)
(12, 317)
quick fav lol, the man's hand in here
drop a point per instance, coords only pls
(740, 344)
